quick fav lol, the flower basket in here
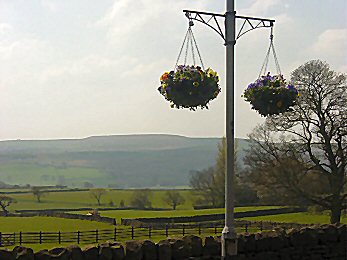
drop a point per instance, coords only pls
(189, 87)
(270, 95)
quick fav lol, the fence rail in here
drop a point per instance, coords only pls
(122, 233)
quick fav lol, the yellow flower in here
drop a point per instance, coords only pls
(211, 73)
(196, 84)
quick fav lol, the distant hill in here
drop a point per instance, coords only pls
(118, 161)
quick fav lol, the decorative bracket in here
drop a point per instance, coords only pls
(251, 23)
(211, 20)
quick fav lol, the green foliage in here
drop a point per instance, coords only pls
(141, 199)
(209, 184)
(173, 198)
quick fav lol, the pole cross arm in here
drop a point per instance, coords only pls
(252, 23)
(211, 20)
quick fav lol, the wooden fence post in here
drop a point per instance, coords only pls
(166, 230)
(150, 231)
(115, 234)
(183, 229)
(132, 233)
(40, 237)
(59, 237)
(0, 239)
(96, 236)
(78, 237)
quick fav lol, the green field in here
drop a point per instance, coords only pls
(23, 173)
(48, 224)
(83, 199)
(118, 214)
(301, 218)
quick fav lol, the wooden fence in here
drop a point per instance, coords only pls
(122, 233)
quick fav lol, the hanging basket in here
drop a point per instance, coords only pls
(189, 87)
(270, 95)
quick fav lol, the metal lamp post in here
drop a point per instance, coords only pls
(229, 240)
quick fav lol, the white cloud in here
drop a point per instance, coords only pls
(5, 29)
(331, 42)
(331, 46)
(129, 20)
(50, 5)
(260, 7)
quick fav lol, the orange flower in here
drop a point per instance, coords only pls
(164, 76)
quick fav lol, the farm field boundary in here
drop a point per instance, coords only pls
(210, 217)
(161, 220)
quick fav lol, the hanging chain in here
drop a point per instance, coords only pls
(189, 43)
(192, 46)
(197, 49)
(263, 69)
(179, 55)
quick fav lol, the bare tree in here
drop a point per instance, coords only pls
(141, 199)
(97, 194)
(6, 201)
(307, 145)
(38, 192)
(173, 198)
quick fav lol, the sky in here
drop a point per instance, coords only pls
(73, 69)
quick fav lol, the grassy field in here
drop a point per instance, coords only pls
(49, 224)
(118, 214)
(23, 173)
(301, 218)
(83, 199)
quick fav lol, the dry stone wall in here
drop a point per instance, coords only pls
(324, 242)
